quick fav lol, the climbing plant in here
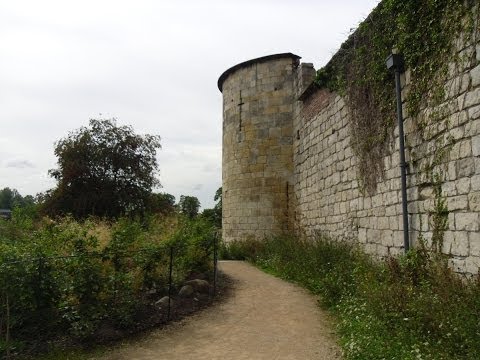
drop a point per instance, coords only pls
(425, 33)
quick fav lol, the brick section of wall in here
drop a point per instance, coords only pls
(257, 148)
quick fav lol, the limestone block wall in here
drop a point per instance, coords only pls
(443, 171)
(258, 101)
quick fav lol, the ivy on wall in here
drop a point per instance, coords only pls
(425, 33)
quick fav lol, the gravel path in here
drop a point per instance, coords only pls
(263, 318)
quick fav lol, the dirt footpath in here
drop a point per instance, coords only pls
(264, 318)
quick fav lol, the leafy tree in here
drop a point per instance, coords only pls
(215, 215)
(189, 206)
(218, 199)
(161, 203)
(10, 198)
(7, 198)
(104, 170)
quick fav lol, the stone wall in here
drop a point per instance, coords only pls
(443, 177)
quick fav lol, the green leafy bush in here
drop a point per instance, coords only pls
(69, 277)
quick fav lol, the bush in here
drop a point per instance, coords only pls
(68, 277)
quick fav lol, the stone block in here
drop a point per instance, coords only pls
(362, 235)
(452, 171)
(474, 127)
(467, 221)
(451, 220)
(383, 223)
(456, 134)
(463, 186)
(374, 236)
(472, 98)
(475, 75)
(474, 201)
(397, 239)
(474, 242)
(459, 202)
(382, 251)
(371, 249)
(395, 251)
(426, 193)
(449, 188)
(474, 112)
(387, 238)
(475, 183)
(458, 265)
(465, 148)
(472, 264)
(465, 167)
(476, 145)
(456, 243)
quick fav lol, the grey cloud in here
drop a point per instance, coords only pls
(19, 164)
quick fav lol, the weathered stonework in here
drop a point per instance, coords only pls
(258, 101)
(288, 163)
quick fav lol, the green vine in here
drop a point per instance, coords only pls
(439, 215)
(424, 32)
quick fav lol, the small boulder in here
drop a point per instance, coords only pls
(186, 291)
(163, 302)
(151, 292)
(202, 286)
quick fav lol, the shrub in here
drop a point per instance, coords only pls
(57, 278)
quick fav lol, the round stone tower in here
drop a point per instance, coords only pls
(258, 100)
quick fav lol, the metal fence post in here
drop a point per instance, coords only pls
(38, 286)
(7, 330)
(215, 236)
(170, 283)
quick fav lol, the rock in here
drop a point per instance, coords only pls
(202, 286)
(163, 302)
(186, 291)
(151, 292)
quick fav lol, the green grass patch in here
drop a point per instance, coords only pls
(411, 307)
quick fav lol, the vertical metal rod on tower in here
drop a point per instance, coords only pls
(395, 62)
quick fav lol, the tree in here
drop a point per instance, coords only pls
(105, 170)
(162, 203)
(189, 206)
(215, 215)
(10, 198)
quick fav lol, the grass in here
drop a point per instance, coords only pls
(411, 307)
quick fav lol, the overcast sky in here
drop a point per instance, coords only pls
(150, 64)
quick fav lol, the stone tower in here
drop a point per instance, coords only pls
(258, 110)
